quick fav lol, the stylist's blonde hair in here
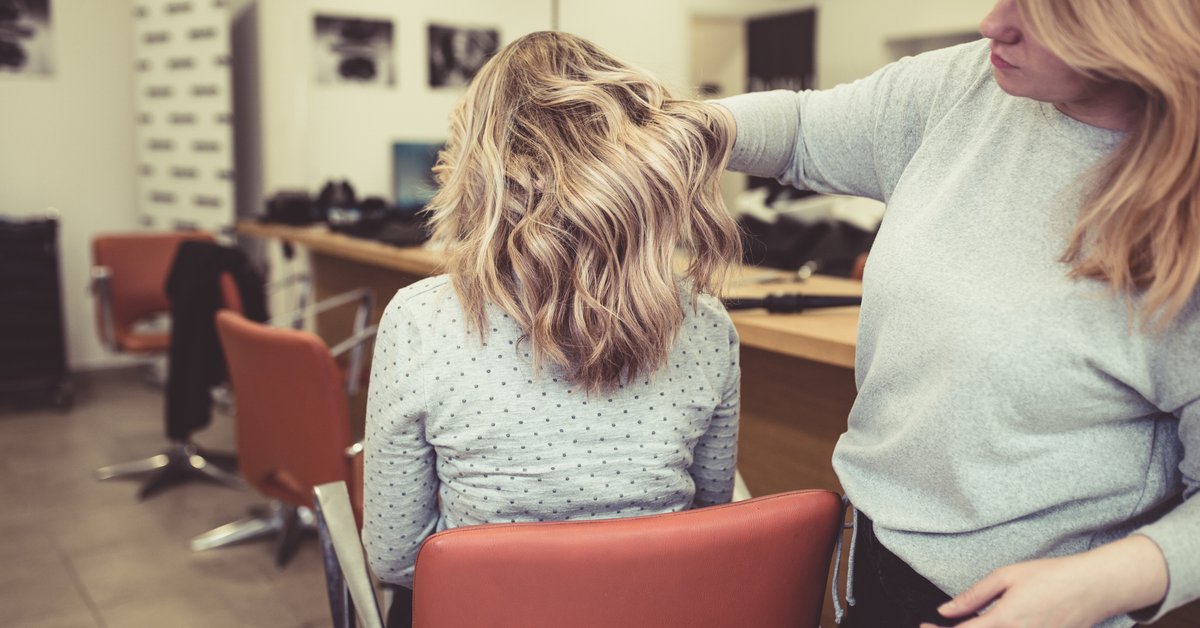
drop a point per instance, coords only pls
(568, 181)
(1139, 228)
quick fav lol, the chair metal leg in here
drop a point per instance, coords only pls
(299, 521)
(235, 532)
(132, 468)
(285, 522)
(288, 539)
(181, 462)
(164, 478)
(223, 460)
(213, 472)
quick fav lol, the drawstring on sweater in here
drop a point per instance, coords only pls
(838, 611)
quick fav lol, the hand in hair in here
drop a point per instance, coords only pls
(1076, 591)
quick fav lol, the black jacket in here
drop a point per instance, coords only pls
(197, 362)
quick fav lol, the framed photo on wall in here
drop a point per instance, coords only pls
(351, 50)
(457, 54)
(26, 38)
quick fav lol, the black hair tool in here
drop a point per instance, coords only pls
(791, 303)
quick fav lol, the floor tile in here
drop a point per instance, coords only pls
(37, 587)
(91, 555)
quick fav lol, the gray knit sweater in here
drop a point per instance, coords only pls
(473, 426)
(1005, 411)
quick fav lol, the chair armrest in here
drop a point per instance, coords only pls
(354, 344)
(363, 296)
(101, 287)
(356, 340)
(345, 564)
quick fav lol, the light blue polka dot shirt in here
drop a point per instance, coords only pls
(474, 428)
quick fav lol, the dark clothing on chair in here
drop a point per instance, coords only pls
(887, 591)
(400, 613)
(196, 361)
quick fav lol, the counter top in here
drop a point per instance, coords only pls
(825, 335)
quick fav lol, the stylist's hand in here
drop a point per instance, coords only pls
(1069, 592)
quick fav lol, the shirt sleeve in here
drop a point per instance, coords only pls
(400, 484)
(855, 138)
(1177, 533)
(714, 461)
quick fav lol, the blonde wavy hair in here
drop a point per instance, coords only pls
(1139, 227)
(567, 184)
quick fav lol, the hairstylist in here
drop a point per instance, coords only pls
(1026, 436)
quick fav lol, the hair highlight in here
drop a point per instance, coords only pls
(1139, 226)
(567, 184)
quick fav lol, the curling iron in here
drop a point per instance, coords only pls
(791, 303)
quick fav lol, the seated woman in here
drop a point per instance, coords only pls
(561, 369)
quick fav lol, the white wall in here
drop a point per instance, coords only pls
(718, 56)
(853, 35)
(653, 34)
(854, 38)
(68, 142)
(184, 132)
(311, 133)
(718, 53)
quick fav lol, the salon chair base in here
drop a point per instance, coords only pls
(285, 522)
(179, 463)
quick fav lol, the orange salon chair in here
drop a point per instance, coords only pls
(762, 562)
(129, 273)
(292, 421)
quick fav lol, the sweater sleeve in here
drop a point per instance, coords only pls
(1177, 533)
(856, 138)
(714, 460)
(400, 485)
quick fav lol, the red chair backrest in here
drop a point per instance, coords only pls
(760, 563)
(293, 424)
(139, 263)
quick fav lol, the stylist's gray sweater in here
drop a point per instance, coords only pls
(1005, 411)
(460, 433)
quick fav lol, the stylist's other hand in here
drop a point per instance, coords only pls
(1070, 592)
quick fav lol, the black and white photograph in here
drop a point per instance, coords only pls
(351, 50)
(25, 38)
(457, 54)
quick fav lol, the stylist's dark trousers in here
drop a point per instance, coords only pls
(400, 613)
(887, 591)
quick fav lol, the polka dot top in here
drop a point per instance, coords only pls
(463, 433)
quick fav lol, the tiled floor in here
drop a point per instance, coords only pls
(77, 553)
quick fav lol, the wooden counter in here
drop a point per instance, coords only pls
(825, 336)
(415, 260)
